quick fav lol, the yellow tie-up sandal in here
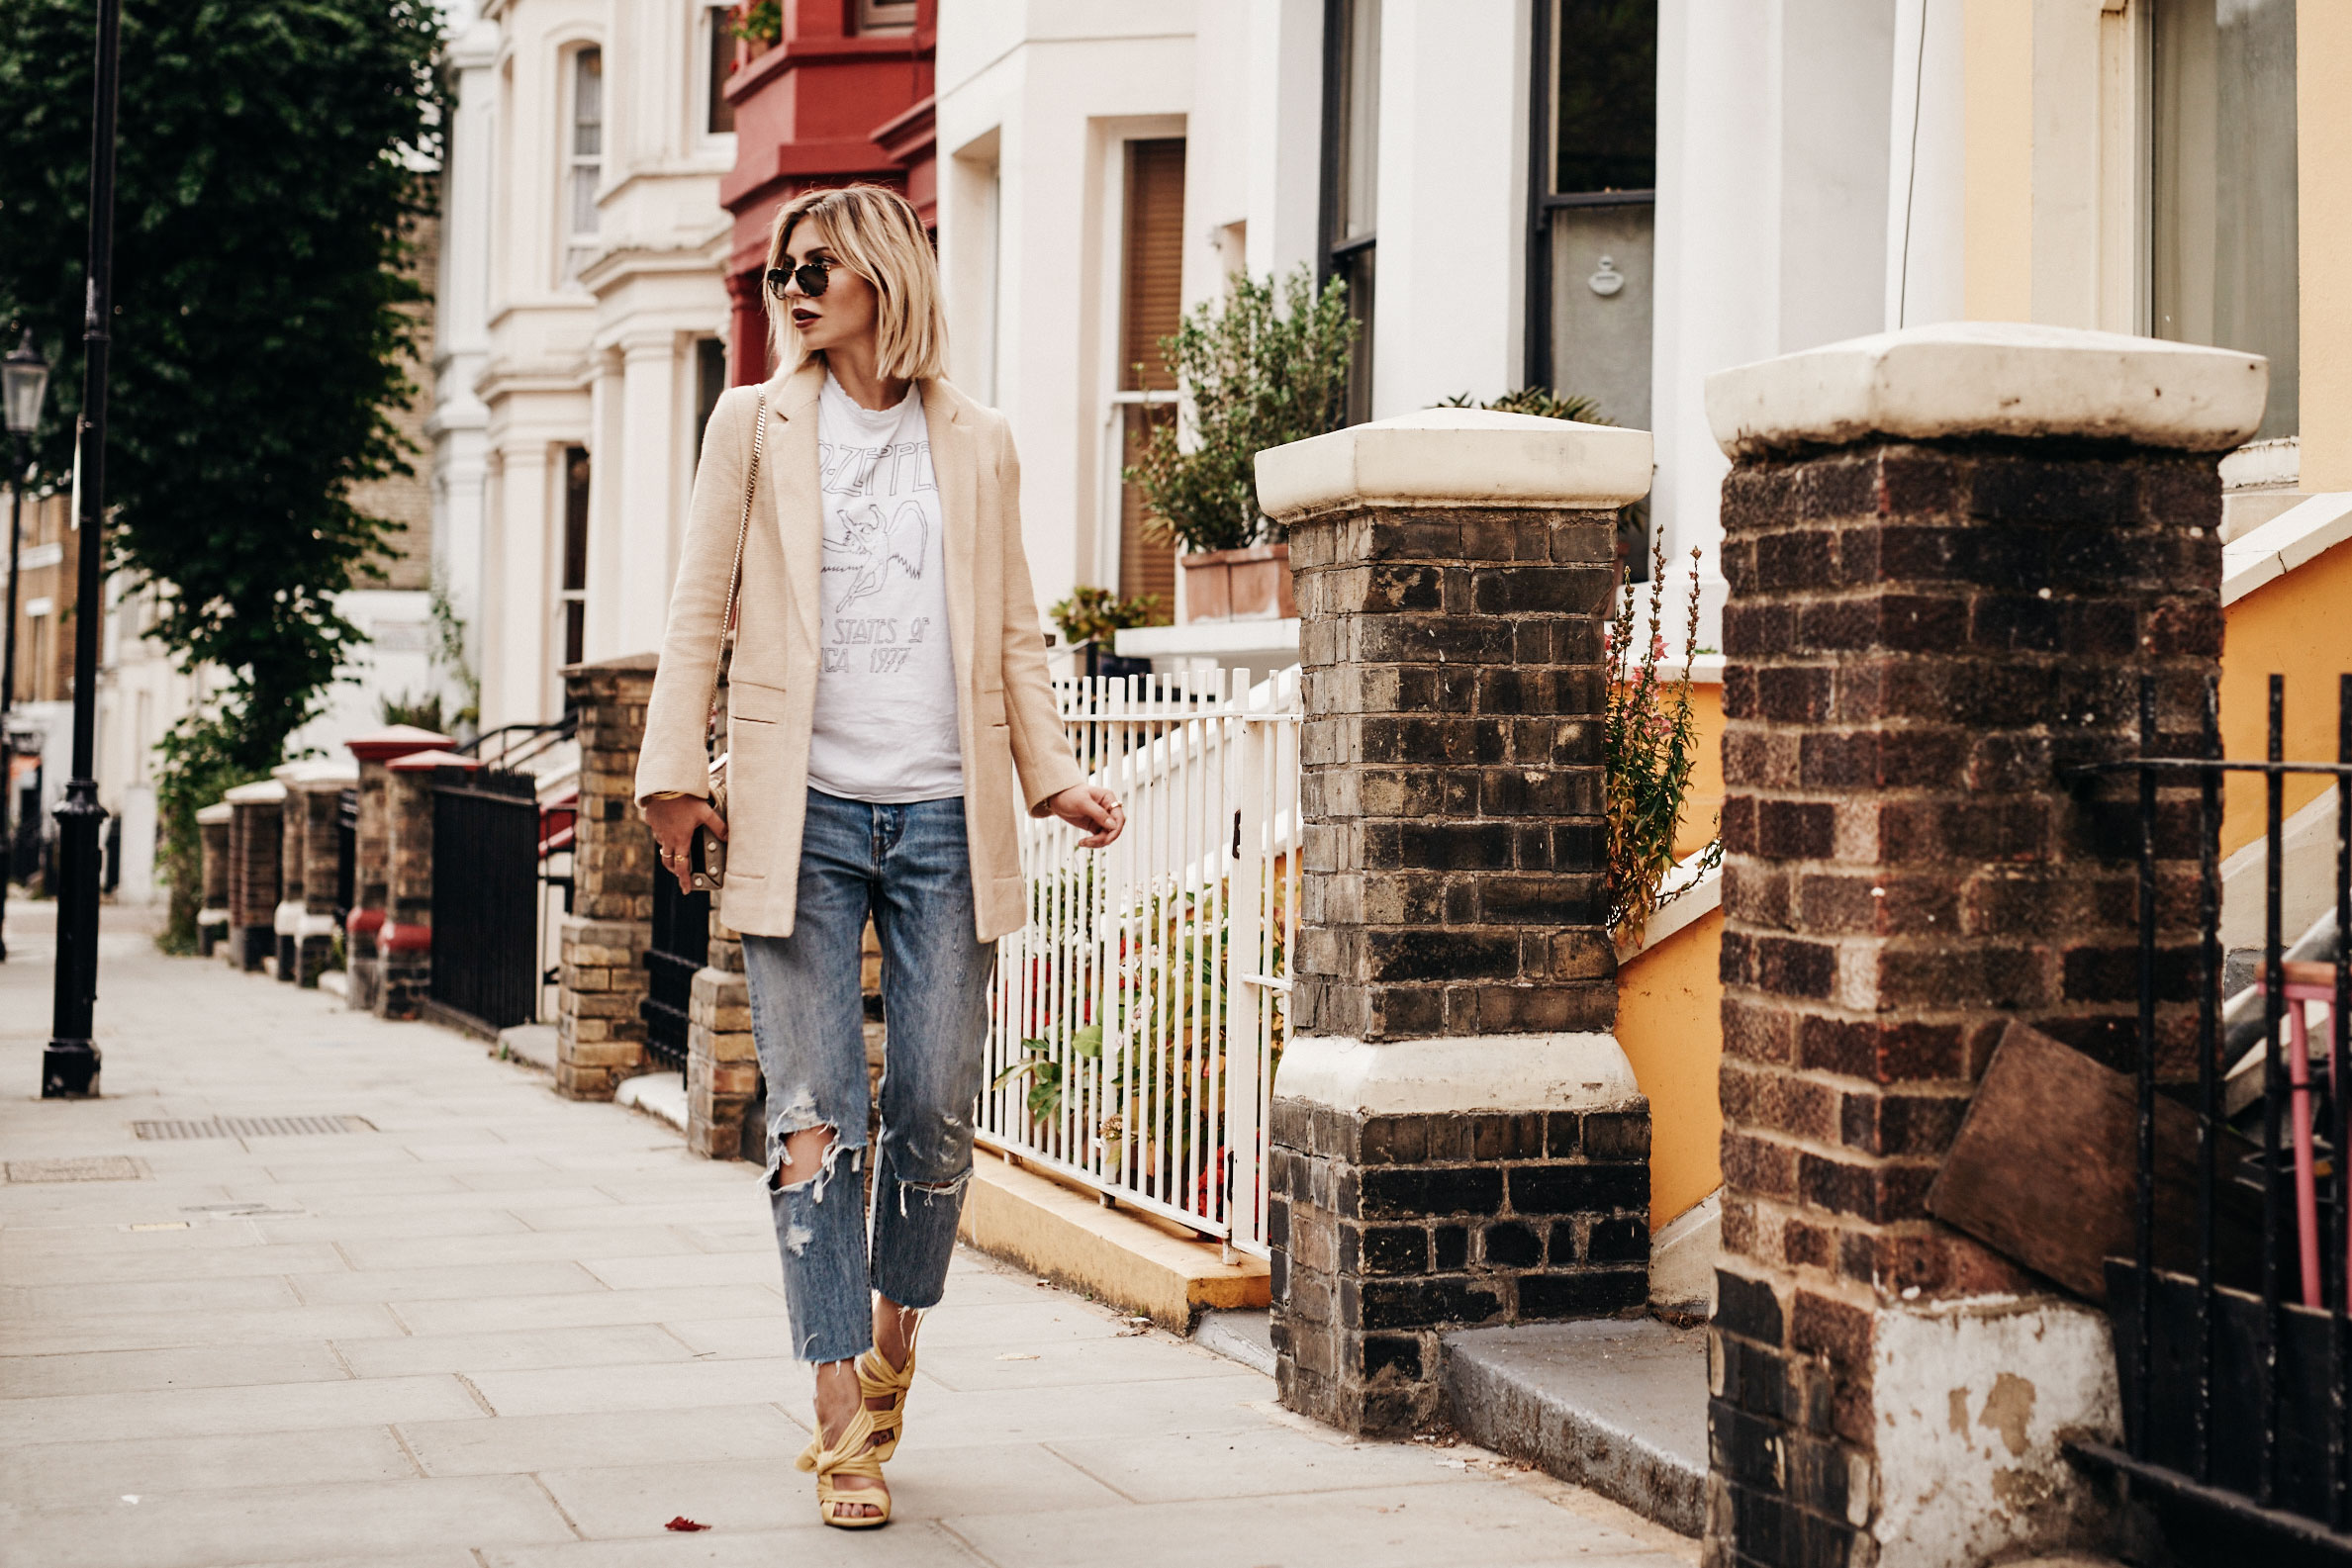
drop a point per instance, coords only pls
(877, 1380)
(854, 1455)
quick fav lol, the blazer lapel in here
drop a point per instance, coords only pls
(798, 504)
(953, 467)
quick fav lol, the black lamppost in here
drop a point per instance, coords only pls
(70, 1062)
(23, 386)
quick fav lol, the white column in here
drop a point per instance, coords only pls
(645, 525)
(1717, 300)
(518, 616)
(1285, 133)
(1926, 148)
(1450, 273)
(457, 425)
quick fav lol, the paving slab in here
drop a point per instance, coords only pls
(1618, 1406)
(508, 1329)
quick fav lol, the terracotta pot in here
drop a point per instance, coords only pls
(1252, 583)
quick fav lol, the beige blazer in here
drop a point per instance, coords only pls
(1005, 718)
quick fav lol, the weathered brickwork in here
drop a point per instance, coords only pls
(371, 873)
(722, 1066)
(1452, 872)
(311, 861)
(1452, 891)
(255, 842)
(599, 1032)
(1391, 1229)
(211, 920)
(1921, 638)
(403, 944)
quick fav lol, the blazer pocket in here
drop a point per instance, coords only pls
(748, 701)
(992, 708)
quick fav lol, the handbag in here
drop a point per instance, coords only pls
(709, 853)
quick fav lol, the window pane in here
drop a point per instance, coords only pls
(1360, 121)
(588, 103)
(2223, 265)
(1600, 307)
(1605, 114)
(1146, 565)
(1152, 295)
(711, 380)
(584, 199)
(575, 518)
(1358, 269)
(722, 66)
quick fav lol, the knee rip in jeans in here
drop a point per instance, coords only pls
(949, 1191)
(796, 1117)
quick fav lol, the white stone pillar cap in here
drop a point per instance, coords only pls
(260, 792)
(1457, 457)
(317, 770)
(1991, 378)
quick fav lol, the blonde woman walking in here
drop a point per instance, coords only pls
(889, 717)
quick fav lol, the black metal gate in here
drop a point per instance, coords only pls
(680, 947)
(2237, 1392)
(485, 896)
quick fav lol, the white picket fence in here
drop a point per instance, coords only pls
(1140, 1015)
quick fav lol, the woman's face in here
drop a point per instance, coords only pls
(844, 314)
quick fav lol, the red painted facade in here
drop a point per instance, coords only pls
(822, 106)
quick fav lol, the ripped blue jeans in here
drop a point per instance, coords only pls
(909, 866)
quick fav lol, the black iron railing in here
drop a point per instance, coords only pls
(680, 948)
(485, 897)
(2237, 1419)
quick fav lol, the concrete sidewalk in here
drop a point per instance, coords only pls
(485, 1326)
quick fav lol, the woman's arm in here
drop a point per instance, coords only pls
(673, 759)
(1051, 780)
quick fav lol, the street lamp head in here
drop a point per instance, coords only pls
(24, 385)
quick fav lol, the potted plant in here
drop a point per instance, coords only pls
(1263, 367)
(1092, 619)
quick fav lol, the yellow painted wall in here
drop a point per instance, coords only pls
(1702, 807)
(1670, 1020)
(2323, 202)
(2300, 626)
(1997, 183)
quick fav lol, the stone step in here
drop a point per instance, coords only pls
(1617, 1405)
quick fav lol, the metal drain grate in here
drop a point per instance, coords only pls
(88, 1167)
(253, 1127)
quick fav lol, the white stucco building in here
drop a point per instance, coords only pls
(1607, 200)
(582, 315)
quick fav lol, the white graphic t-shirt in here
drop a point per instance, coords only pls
(886, 691)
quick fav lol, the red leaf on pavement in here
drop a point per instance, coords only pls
(684, 1523)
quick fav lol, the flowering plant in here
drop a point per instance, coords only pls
(1649, 743)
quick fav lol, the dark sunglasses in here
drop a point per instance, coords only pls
(813, 276)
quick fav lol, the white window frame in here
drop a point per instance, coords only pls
(1111, 318)
(578, 243)
(886, 17)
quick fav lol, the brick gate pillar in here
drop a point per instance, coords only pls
(372, 855)
(1952, 553)
(254, 842)
(306, 916)
(211, 918)
(1456, 1138)
(599, 1032)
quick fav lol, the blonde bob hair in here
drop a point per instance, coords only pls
(872, 232)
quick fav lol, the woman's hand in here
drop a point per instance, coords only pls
(1093, 807)
(673, 820)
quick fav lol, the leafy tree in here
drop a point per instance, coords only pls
(275, 156)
